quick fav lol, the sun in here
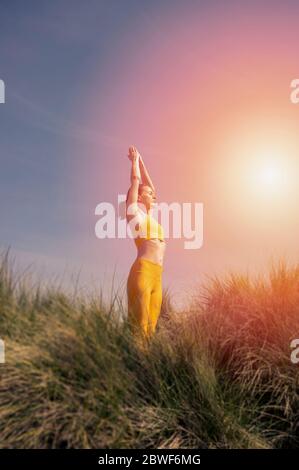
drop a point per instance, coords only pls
(267, 178)
(271, 175)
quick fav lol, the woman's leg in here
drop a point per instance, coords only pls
(144, 288)
(139, 288)
(155, 306)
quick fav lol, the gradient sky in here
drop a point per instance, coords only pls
(200, 87)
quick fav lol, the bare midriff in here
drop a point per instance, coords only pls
(153, 250)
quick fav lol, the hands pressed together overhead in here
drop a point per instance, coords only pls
(133, 153)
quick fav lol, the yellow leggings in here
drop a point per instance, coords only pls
(144, 290)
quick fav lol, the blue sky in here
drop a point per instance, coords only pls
(50, 53)
(75, 75)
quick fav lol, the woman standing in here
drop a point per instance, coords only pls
(144, 285)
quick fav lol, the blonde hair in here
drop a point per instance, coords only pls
(140, 188)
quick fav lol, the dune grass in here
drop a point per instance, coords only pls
(217, 375)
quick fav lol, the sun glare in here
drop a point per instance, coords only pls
(271, 176)
(262, 158)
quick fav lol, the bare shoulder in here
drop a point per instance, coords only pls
(133, 211)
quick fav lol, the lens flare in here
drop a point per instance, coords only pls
(271, 176)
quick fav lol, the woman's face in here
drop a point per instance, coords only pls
(147, 197)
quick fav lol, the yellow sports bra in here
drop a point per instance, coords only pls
(151, 228)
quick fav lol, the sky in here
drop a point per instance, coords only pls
(202, 88)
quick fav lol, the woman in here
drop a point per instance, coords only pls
(144, 285)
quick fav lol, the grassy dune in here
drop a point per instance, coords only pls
(218, 375)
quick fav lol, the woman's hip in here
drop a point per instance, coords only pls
(146, 266)
(144, 274)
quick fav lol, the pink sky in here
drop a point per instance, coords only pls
(205, 99)
(203, 91)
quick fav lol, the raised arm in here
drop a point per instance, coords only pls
(132, 198)
(144, 175)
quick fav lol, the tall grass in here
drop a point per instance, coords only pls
(247, 327)
(218, 375)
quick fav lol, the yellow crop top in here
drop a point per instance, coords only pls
(151, 228)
